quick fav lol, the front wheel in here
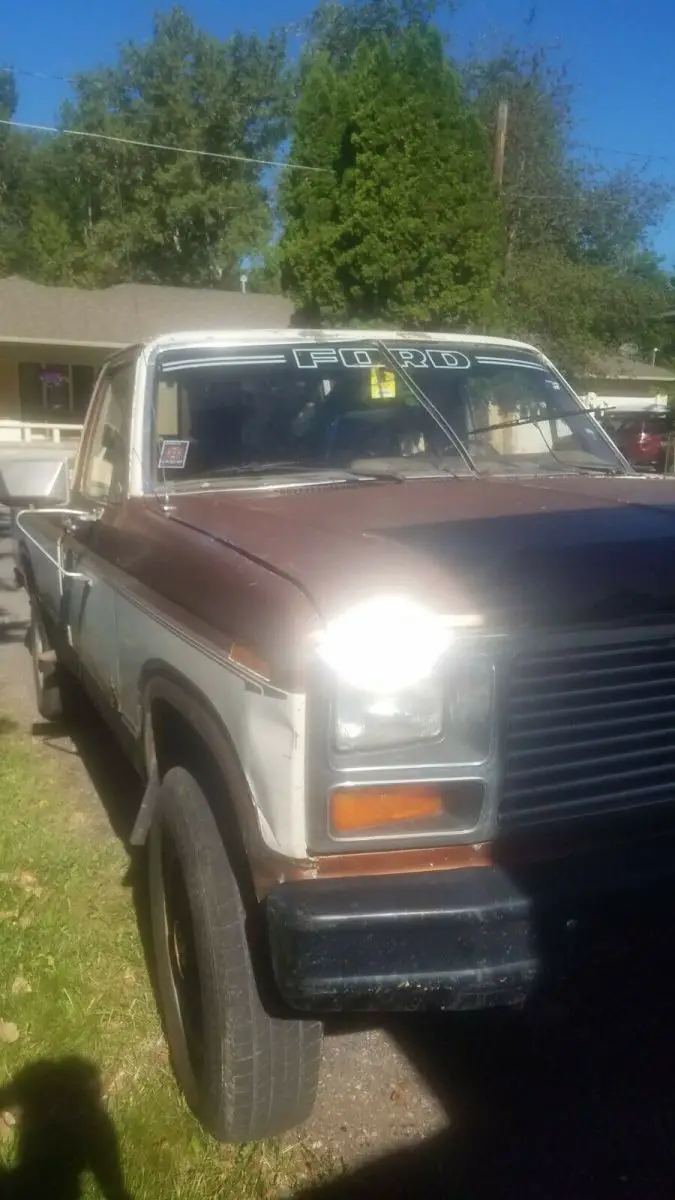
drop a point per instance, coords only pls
(247, 1074)
(50, 678)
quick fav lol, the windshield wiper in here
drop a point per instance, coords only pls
(592, 468)
(553, 416)
(373, 473)
(428, 405)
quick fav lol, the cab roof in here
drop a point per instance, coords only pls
(264, 337)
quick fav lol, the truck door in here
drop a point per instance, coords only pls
(89, 541)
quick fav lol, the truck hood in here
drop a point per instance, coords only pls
(542, 550)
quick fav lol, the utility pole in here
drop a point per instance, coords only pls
(500, 141)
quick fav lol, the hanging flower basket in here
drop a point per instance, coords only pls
(54, 378)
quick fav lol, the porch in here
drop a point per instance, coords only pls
(45, 387)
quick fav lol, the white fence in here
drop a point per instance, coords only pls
(39, 432)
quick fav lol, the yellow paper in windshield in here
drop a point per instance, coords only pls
(382, 384)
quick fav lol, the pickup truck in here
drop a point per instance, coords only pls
(387, 625)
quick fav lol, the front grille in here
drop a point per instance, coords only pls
(588, 731)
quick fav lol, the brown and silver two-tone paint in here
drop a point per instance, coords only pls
(204, 605)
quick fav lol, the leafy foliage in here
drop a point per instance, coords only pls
(15, 152)
(339, 30)
(577, 272)
(404, 224)
(119, 211)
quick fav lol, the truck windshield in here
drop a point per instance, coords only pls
(351, 408)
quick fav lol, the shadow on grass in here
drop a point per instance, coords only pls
(114, 779)
(62, 1132)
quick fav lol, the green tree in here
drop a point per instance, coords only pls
(574, 309)
(402, 224)
(125, 211)
(616, 219)
(50, 251)
(339, 30)
(15, 163)
(578, 276)
(541, 183)
(264, 271)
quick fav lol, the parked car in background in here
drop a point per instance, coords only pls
(641, 437)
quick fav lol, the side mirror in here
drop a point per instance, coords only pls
(34, 482)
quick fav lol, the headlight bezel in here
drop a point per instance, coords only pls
(457, 673)
(435, 760)
(380, 731)
(393, 661)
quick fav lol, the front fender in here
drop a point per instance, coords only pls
(161, 683)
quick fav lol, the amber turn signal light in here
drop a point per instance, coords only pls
(356, 809)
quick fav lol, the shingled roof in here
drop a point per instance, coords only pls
(129, 312)
(616, 366)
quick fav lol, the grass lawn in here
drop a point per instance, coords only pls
(73, 981)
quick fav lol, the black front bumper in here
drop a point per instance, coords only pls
(466, 939)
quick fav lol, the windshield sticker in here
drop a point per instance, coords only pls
(173, 454)
(370, 356)
(314, 358)
(448, 360)
(346, 356)
(553, 383)
(382, 384)
(496, 361)
(238, 360)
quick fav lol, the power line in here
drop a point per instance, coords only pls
(37, 74)
(74, 79)
(625, 153)
(108, 137)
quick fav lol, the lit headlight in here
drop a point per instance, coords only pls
(388, 691)
(366, 720)
(385, 645)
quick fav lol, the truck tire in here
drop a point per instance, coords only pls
(52, 694)
(246, 1074)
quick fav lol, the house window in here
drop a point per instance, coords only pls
(82, 385)
(55, 392)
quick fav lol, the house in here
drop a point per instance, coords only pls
(614, 381)
(53, 340)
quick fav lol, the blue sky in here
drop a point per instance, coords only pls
(620, 54)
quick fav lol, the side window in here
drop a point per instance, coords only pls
(104, 477)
